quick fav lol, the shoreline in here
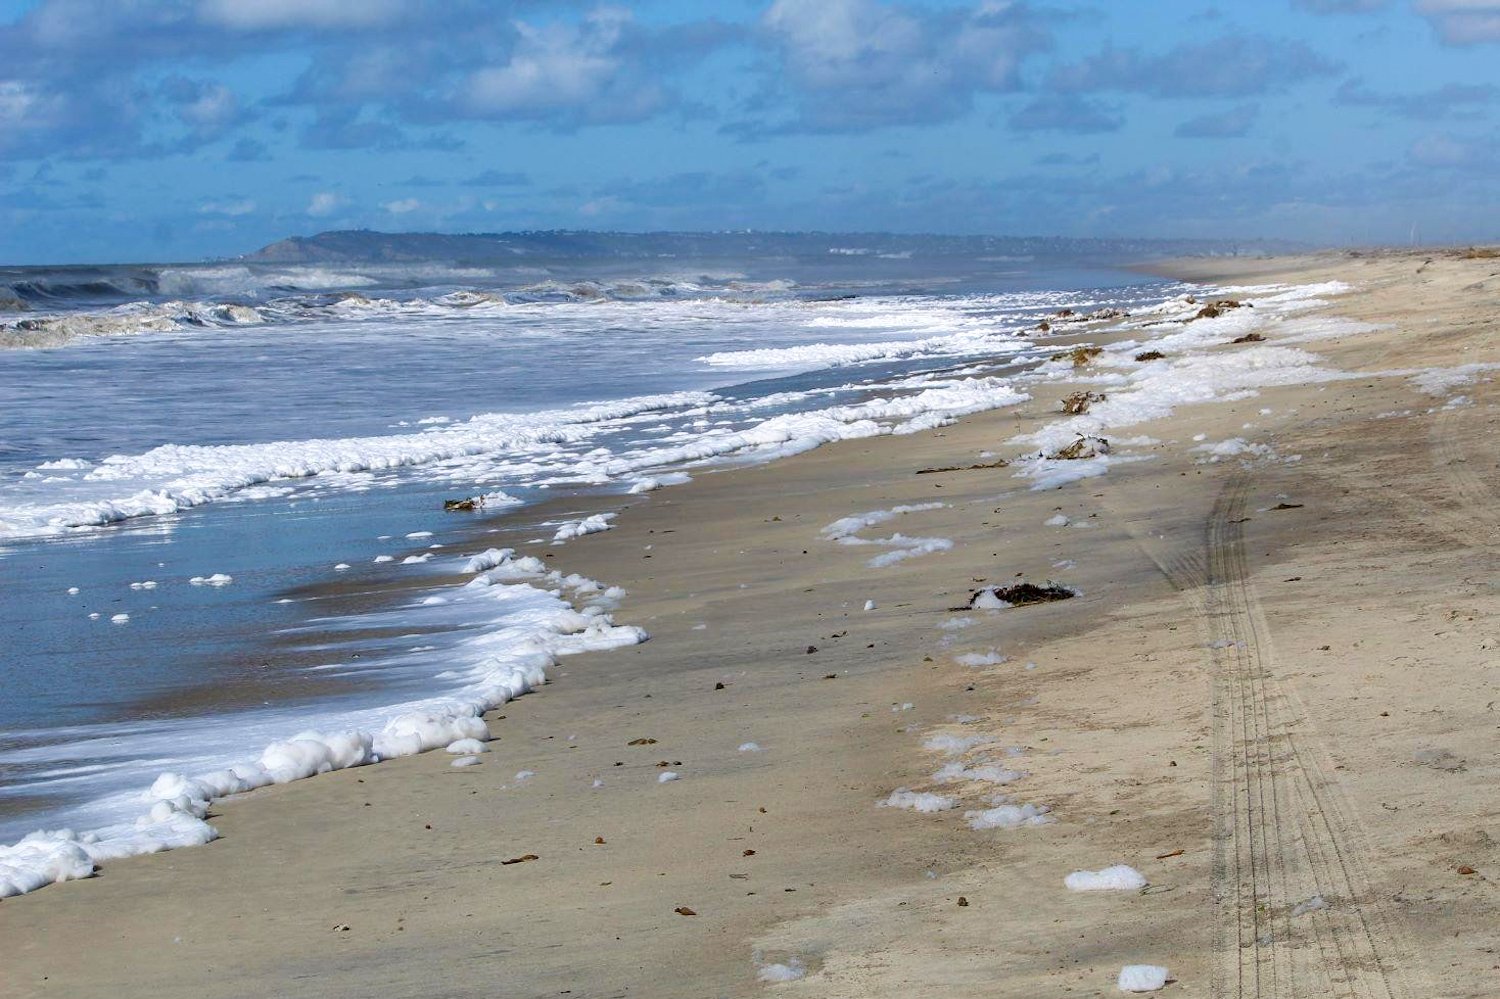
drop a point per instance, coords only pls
(841, 886)
(512, 526)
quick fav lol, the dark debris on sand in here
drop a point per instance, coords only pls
(1021, 594)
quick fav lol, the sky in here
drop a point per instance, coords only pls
(174, 130)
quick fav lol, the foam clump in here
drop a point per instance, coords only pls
(869, 605)
(465, 761)
(217, 579)
(489, 559)
(310, 753)
(654, 482)
(1120, 877)
(1315, 904)
(1009, 817)
(42, 858)
(1142, 978)
(749, 747)
(418, 731)
(952, 745)
(668, 775)
(989, 773)
(789, 972)
(845, 530)
(466, 747)
(578, 528)
(919, 801)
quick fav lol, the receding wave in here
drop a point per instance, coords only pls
(31, 324)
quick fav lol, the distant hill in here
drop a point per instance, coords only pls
(368, 246)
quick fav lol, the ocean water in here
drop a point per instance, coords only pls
(297, 430)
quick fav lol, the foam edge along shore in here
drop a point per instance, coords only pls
(510, 661)
(498, 666)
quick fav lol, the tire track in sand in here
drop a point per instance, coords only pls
(1283, 835)
(1472, 517)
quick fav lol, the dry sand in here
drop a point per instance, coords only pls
(1255, 707)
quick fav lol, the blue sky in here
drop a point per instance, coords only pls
(180, 129)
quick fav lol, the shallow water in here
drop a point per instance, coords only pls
(205, 675)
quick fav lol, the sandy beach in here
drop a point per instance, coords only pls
(1273, 696)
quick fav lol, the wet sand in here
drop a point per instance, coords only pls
(1256, 707)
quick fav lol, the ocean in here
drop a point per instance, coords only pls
(224, 555)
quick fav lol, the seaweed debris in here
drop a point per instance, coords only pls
(1017, 595)
(1083, 447)
(1150, 355)
(963, 468)
(1248, 338)
(1078, 355)
(470, 503)
(1215, 309)
(1079, 402)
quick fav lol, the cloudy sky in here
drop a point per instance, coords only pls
(179, 129)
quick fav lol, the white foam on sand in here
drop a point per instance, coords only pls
(655, 482)
(988, 773)
(790, 972)
(918, 801)
(1142, 978)
(1203, 366)
(578, 528)
(845, 531)
(952, 745)
(535, 627)
(1120, 877)
(1234, 447)
(1009, 816)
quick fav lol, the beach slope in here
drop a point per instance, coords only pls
(844, 767)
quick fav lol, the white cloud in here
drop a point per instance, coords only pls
(1451, 152)
(231, 208)
(402, 206)
(1463, 22)
(325, 203)
(563, 67)
(213, 110)
(599, 206)
(270, 15)
(23, 105)
(861, 63)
